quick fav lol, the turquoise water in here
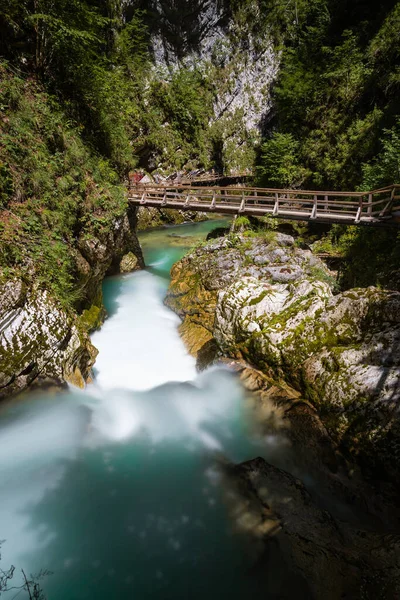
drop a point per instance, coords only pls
(115, 489)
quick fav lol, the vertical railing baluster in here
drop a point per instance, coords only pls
(242, 204)
(314, 210)
(359, 210)
(276, 207)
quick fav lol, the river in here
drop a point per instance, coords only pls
(114, 489)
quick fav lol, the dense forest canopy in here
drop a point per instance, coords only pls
(335, 101)
(337, 94)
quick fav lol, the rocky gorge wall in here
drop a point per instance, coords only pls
(265, 301)
(149, 217)
(42, 341)
(205, 34)
(322, 370)
(237, 59)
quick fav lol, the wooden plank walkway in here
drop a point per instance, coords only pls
(375, 208)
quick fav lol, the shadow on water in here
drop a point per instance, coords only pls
(112, 287)
(149, 524)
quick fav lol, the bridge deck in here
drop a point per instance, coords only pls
(376, 208)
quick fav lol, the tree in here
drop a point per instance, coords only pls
(384, 169)
(279, 162)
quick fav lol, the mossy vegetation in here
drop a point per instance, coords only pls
(54, 188)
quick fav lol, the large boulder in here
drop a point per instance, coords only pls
(272, 304)
(40, 342)
(198, 279)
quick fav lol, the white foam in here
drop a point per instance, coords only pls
(146, 384)
(140, 347)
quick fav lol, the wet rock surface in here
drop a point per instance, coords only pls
(40, 340)
(276, 515)
(271, 304)
(98, 256)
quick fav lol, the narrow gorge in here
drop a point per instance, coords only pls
(195, 404)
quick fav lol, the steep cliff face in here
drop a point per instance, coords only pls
(238, 60)
(115, 250)
(39, 341)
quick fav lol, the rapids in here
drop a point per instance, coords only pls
(113, 490)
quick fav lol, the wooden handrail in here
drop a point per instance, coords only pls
(327, 206)
(172, 185)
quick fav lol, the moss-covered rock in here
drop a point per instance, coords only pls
(198, 278)
(129, 262)
(40, 341)
(43, 340)
(272, 304)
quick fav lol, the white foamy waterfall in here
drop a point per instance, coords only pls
(139, 347)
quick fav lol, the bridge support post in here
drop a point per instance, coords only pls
(212, 205)
(370, 205)
(389, 205)
(242, 204)
(359, 211)
(276, 205)
(314, 210)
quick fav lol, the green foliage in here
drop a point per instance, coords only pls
(337, 101)
(53, 189)
(321, 275)
(174, 126)
(384, 169)
(94, 57)
(338, 88)
(280, 162)
(241, 223)
(269, 222)
(370, 256)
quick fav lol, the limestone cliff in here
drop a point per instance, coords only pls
(237, 58)
(39, 341)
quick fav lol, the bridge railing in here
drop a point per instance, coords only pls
(356, 207)
(205, 178)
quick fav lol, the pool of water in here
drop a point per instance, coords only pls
(115, 489)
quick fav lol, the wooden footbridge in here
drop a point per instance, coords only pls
(375, 208)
